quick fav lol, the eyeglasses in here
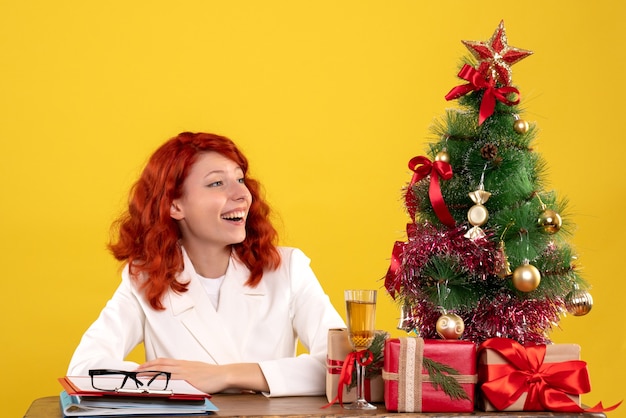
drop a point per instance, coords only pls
(150, 381)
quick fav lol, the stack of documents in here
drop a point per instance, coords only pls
(79, 399)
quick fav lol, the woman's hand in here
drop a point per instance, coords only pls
(211, 378)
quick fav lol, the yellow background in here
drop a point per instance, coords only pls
(329, 99)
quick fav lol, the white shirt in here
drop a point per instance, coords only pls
(212, 287)
(260, 325)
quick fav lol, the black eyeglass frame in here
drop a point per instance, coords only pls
(128, 375)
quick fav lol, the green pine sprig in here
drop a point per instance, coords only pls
(441, 377)
(378, 350)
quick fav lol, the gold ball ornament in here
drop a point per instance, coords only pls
(526, 278)
(520, 126)
(443, 156)
(578, 302)
(450, 326)
(549, 221)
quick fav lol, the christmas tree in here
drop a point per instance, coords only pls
(487, 252)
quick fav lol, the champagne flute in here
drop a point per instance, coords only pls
(361, 314)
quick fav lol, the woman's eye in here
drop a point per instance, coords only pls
(242, 180)
(214, 184)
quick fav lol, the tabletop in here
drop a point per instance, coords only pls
(257, 406)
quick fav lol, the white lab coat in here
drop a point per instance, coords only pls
(260, 325)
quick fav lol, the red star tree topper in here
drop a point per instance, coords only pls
(496, 56)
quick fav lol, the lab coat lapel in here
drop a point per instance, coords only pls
(197, 314)
(240, 305)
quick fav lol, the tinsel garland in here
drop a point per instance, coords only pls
(477, 259)
(527, 321)
(499, 313)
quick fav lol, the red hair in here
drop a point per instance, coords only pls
(148, 236)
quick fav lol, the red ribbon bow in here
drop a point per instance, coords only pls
(547, 384)
(364, 358)
(422, 167)
(477, 81)
(392, 279)
(392, 284)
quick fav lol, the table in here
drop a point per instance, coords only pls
(257, 406)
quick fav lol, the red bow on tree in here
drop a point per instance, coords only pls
(422, 167)
(477, 81)
(393, 281)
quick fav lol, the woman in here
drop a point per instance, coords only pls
(204, 287)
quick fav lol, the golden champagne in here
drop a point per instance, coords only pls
(361, 323)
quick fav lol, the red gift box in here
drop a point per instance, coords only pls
(409, 387)
(533, 378)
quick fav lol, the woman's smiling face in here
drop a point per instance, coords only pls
(214, 204)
